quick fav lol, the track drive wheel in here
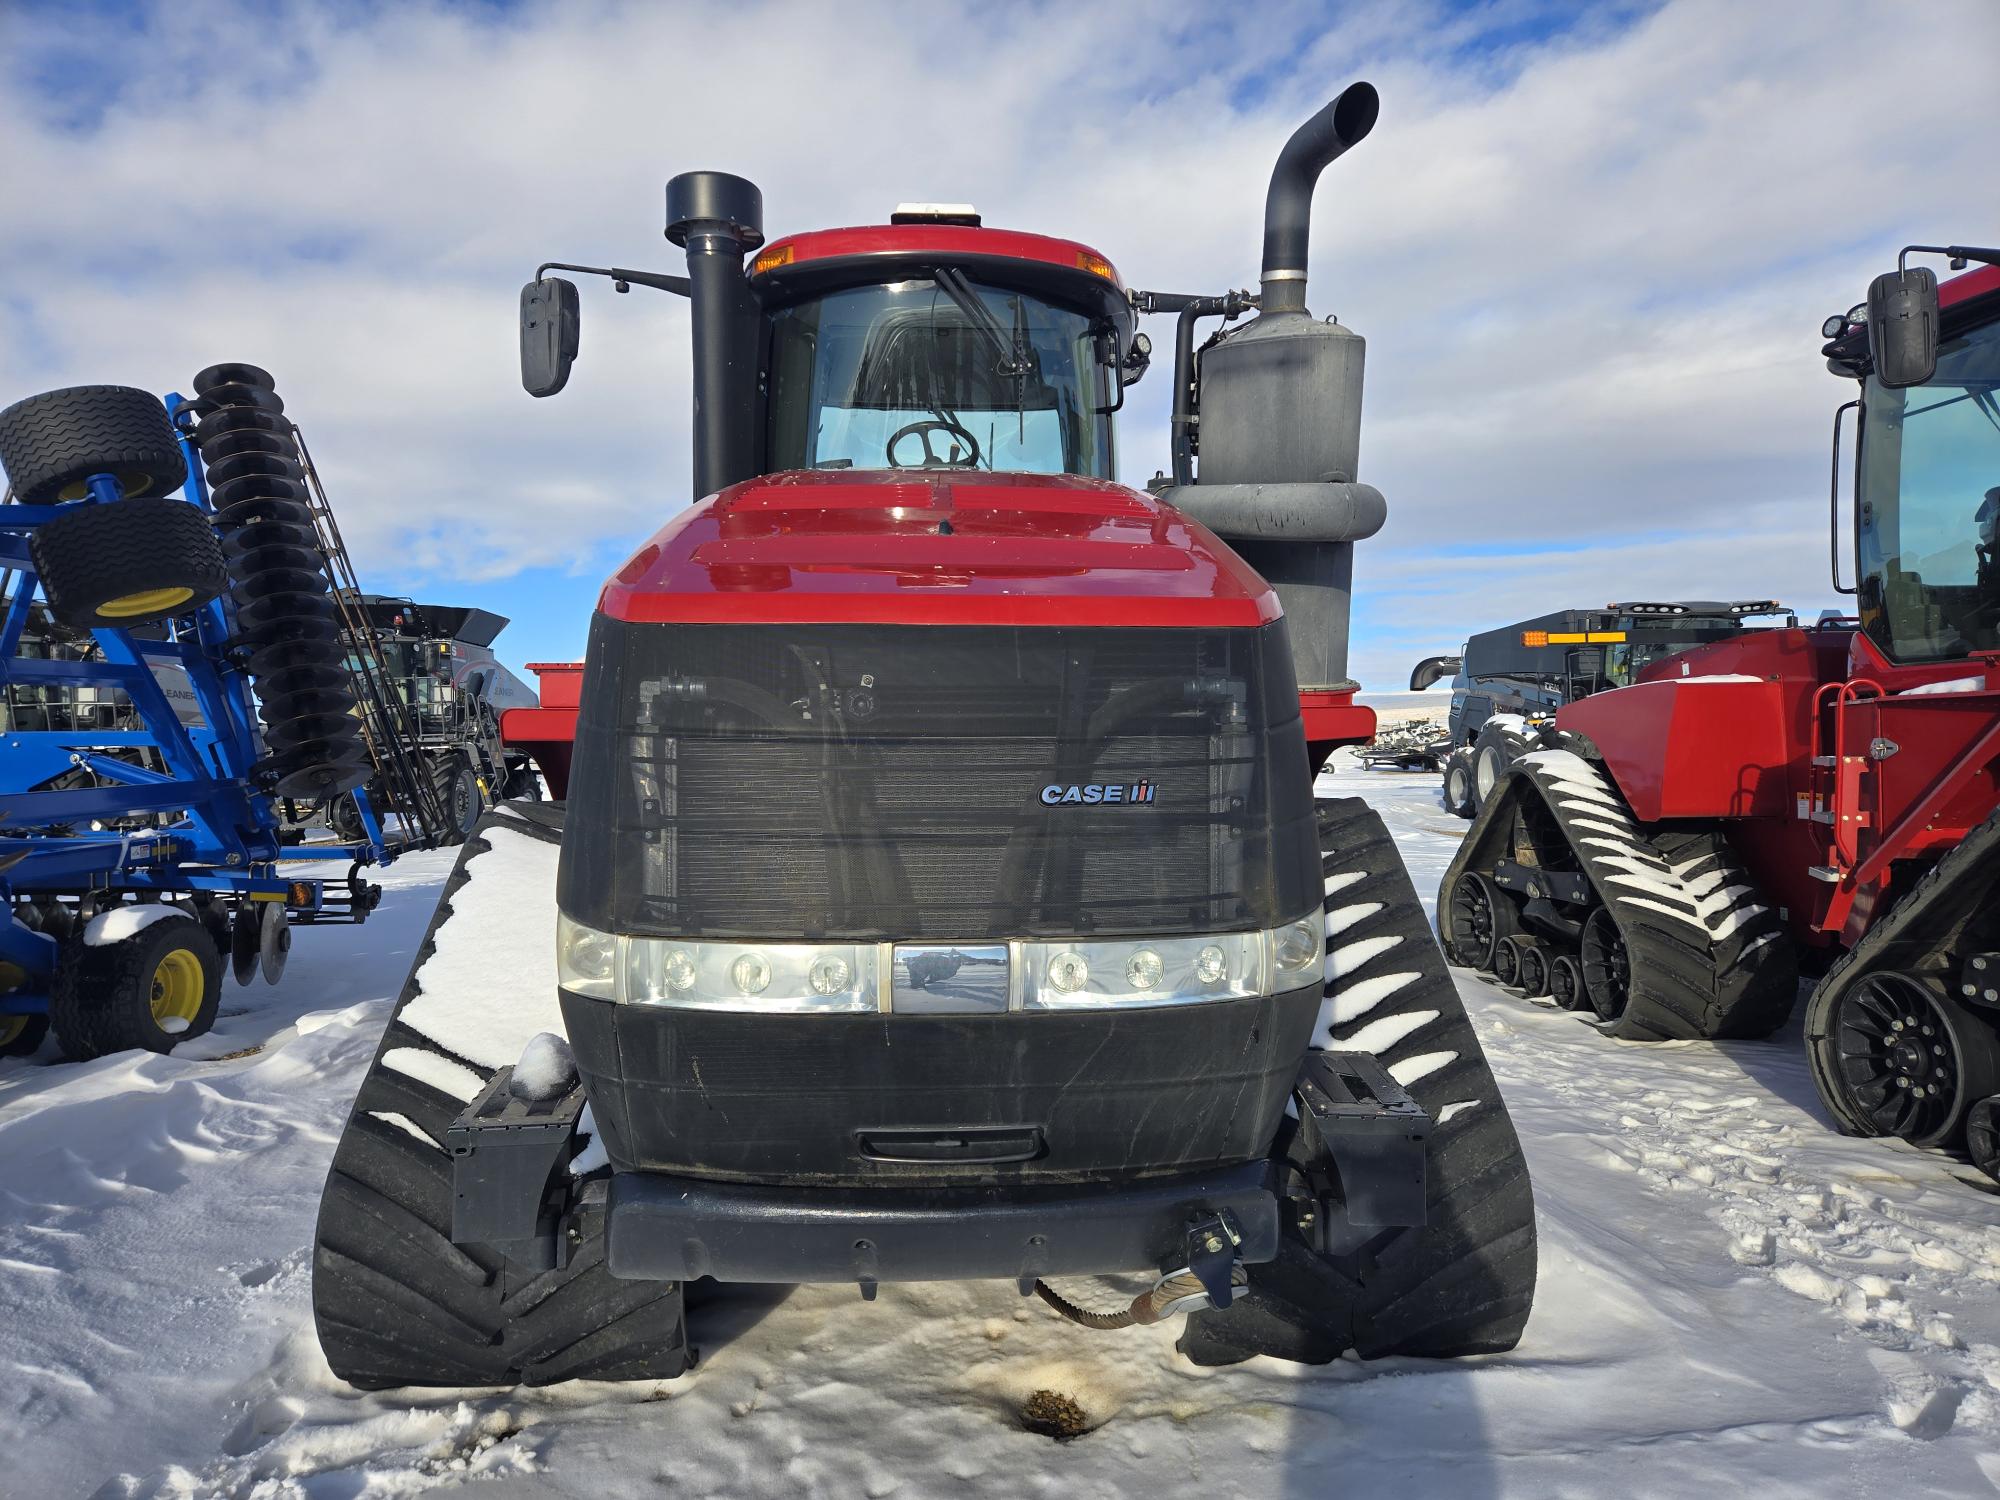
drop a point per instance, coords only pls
(156, 988)
(1480, 919)
(1607, 971)
(1905, 1059)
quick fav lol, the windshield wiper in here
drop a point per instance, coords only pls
(981, 318)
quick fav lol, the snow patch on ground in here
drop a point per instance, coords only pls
(1734, 1299)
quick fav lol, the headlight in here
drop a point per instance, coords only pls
(1299, 952)
(1054, 974)
(716, 975)
(1143, 971)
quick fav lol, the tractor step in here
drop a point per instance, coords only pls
(505, 1153)
(1375, 1133)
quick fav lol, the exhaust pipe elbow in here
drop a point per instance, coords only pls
(1288, 204)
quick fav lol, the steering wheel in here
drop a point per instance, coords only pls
(924, 429)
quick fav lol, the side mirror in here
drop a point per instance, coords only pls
(1432, 669)
(1903, 326)
(549, 323)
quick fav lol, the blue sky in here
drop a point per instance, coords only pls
(1589, 245)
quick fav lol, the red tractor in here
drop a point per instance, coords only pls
(939, 891)
(1820, 798)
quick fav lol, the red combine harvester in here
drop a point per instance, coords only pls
(1819, 798)
(940, 892)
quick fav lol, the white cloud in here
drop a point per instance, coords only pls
(1589, 265)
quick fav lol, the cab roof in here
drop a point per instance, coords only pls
(824, 249)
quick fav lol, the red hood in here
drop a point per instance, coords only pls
(937, 547)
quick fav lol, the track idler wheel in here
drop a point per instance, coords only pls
(1907, 1061)
(285, 614)
(1531, 966)
(1480, 919)
(1566, 986)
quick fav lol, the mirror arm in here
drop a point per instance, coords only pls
(624, 280)
(1958, 255)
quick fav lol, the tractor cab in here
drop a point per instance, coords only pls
(1927, 472)
(941, 345)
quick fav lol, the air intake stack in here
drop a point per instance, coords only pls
(1279, 420)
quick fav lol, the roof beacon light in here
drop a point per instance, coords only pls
(963, 214)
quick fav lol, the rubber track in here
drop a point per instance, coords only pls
(1931, 921)
(1707, 958)
(1463, 1283)
(396, 1302)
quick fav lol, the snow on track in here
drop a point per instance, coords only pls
(1733, 1300)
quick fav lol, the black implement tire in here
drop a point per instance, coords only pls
(153, 990)
(1458, 782)
(51, 443)
(1496, 748)
(128, 562)
(22, 1035)
(458, 798)
(1464, 1282)
(396, 1303)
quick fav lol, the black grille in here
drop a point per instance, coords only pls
(868, 781)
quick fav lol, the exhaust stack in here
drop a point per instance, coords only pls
(718, 219)
(1288, 202)
(1278, 425)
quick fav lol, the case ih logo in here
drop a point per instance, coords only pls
(1096, 793)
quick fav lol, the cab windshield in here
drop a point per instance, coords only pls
(1930, 507)
(941, 373)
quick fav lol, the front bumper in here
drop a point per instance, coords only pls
(665, 1228)
(838, 1101)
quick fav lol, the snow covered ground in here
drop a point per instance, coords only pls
(1733, 1301)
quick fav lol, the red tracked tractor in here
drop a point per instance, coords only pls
(939, 891)
(1673, 854)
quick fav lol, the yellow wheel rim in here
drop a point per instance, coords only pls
(177, 987)
(10, 1028)
(146, 602)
